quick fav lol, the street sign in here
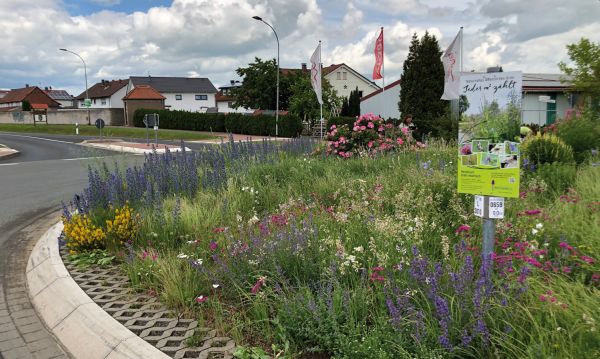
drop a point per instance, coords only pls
(100, 123)
(151, 120)
(478, 210)
(87, 102)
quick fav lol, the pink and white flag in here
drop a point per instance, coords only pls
(315, 72)
(378, 57)
(451, 60)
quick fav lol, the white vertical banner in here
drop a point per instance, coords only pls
(315, 72)
(452, 60)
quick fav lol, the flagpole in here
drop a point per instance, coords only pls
(321, 73)
(383, 74)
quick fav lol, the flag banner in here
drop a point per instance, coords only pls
(315, 72)
(451, 60)
(378, 57)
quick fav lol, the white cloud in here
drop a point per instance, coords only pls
(213, 38)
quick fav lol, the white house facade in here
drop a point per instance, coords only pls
(545, 99)
(344, 80)
(181, 93)
(382, 103)
(105, 94)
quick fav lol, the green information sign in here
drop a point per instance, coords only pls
(87, 102)
(489, 169)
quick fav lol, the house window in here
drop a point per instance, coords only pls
(230, 104)
(104, 101)
(202, 97)
(339, 75)
(344, 75)
(178, 97)
(94, 101)
(360, 94)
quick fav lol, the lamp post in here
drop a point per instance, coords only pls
(277, 99)
(86, 83)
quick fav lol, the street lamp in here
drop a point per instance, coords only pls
(86, 83)
(277, 100)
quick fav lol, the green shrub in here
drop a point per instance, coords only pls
(581, 133)
(340, 121)
(546, 148)
(558, 176)
(261, 125)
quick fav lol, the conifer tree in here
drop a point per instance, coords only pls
(422, 85)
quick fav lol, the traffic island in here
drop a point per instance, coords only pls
(95, 314)
(6, 152)
(131, 147)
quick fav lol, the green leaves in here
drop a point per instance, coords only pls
(585, 74)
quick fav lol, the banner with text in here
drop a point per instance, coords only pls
(488, 153)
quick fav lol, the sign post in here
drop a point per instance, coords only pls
(100, 125)
(488, 208)
(151, 120)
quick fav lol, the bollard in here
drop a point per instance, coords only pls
(76, 128)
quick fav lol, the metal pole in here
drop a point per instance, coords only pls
(87, 96)
(489, 227)
(277, 96)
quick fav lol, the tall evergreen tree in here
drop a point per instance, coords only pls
(422, 87)
(354, 103)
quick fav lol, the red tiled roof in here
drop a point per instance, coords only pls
(144, 92)
(387, 87)
(39, 106)
(17, 95)
(104, 89)
(328, 69)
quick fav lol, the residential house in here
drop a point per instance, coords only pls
(142, 97)
(225, 99)
(342, 78)
(65, 99)
(105, 94)
(382, 102)
(345, 79)
(181, 93)
(32, 94)
(3, 93)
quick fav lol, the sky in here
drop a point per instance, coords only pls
(212, 38)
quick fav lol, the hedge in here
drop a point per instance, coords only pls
(260, 125)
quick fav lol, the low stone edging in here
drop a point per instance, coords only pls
(82, 327)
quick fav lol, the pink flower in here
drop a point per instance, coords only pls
(259, 283)
(144, 254)
(465, 150)
(336, 144)
(595, 277)
(356, 128)
(212, 246)
(463, 228)
(377, 269)
(219, 230)
(553, 299)
(333, 127)
(566, 270)
(154, 256)
(362, 128)
(201, 299)
(380, 129)
(588, 260)
(399, 140)
(370, 125)
(549, 292)
(533, 212)
(342, 154)
(342, 139)
(370, 144)
(542, 298)
(404, 130)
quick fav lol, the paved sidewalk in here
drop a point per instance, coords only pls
(22, 334)
(223, 136)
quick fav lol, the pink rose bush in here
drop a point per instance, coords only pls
(369, 135)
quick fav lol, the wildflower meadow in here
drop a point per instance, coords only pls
(355, 247)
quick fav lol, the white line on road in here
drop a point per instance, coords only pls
(10, 164)
(40, 138)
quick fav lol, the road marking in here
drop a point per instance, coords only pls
(40, 138)
(10, 164)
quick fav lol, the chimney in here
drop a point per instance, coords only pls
(232, 82)
(46, 88)
(26, 85)
(304, 66)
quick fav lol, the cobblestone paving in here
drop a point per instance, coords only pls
(22, 333)
(146, 317)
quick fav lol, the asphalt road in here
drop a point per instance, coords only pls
(32, 185)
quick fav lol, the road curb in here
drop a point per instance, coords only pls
(127, 149)
(6, 153)
(81, 326)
